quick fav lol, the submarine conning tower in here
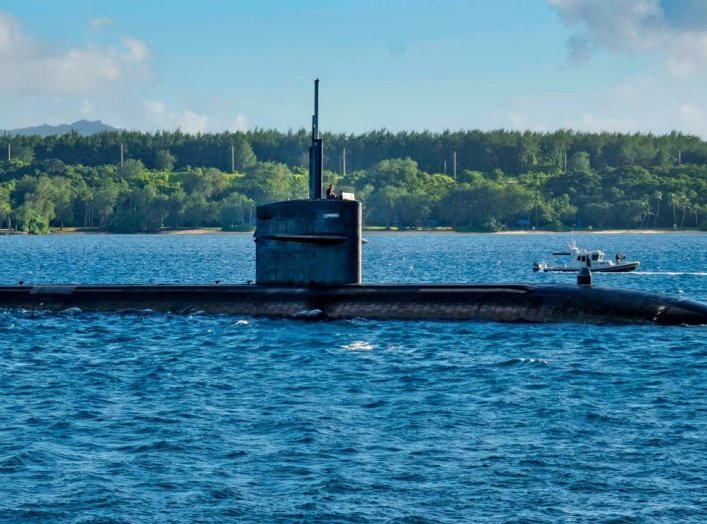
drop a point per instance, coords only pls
(315, 242)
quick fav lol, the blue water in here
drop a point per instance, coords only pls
(155, 417)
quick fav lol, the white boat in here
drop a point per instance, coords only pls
(594, 260)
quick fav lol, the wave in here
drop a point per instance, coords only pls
(71, 311)
(522, 360)
(358, 345)
(314, 314)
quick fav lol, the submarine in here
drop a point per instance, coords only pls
(308, 266)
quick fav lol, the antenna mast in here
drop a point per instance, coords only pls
(316, 151)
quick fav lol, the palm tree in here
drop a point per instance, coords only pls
(645, 211)
(658, 197)
(685, 199)
(675, 200)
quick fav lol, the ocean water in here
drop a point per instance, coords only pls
(154, 417)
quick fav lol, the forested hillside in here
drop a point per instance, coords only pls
(469, 180)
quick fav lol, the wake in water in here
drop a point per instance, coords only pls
(673, 273)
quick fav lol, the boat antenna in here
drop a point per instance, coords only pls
(316, 151)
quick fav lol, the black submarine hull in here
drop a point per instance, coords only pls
(494, 302)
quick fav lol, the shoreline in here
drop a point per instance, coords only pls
(540, 232)
(607, 232)
(377, 231)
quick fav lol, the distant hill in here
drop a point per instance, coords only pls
(83, 127)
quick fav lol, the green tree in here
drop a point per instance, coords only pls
(103, 200)
(244, 155)
(139, 210)
(199, 210)
(266, 182)
(22, 154)
(132, 170)
(6, 204)
(206, 182)
(579, 161)
(658, 197)
(35, 214)
(396, 172)
(235, 210)
(175, 207)
(59, 191)
(164, 160)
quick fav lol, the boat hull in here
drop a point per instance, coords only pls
(502, 302)
(617, 268)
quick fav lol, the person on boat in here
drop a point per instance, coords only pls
(330, 193)
(619, 257)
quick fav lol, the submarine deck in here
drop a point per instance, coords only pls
(498, 302)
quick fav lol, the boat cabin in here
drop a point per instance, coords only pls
(586, 259)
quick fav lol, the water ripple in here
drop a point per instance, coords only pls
(144, 417)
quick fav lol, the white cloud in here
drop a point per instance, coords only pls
(644, 104)
(159, 116)
(518, 120)
(675, 32)
(617, 25)
(240, 123)
(86, 109)
(99, 23)
(157, 109)
(688, 55)
(136, 51)
(31, 68)
(43, 81)
(603, 122)
(688, 110)
(579, 48)
(192, 122)
(9, 33)
(692, 116)
(669, 36)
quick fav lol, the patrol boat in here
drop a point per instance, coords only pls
(594, 260)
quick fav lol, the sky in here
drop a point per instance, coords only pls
(211, 65)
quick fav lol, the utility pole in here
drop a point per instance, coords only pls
(679, 157)
(233, 158)
(9, 151)
(565, 160)
(444, 164)
(343, 162)
(122, 148)
(455, 165)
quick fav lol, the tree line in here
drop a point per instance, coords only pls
(468, 180)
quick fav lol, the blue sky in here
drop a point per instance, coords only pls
(616, 65)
